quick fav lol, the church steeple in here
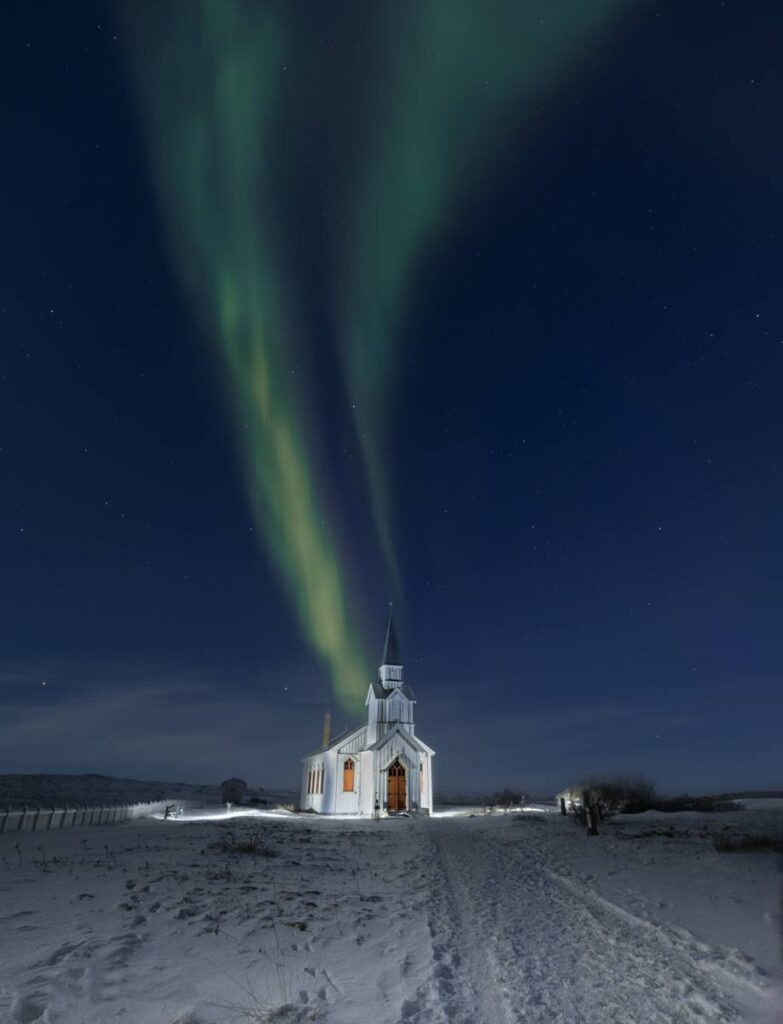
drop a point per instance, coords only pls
(391, 649)
(390, 700)
(390, 673)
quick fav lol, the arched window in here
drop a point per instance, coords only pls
(348, 776)
(421, 776)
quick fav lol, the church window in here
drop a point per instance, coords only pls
(421, 773)
(348, 776)
(321, 779)
(310, 781)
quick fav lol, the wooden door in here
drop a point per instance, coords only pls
(396, 797)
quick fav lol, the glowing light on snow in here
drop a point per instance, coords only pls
(220, 814)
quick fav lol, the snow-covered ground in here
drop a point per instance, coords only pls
(473, 920)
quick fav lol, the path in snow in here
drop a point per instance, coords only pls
(512, 941)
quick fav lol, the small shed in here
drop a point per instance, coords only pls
(232, 791)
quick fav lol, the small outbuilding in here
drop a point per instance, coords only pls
(232, 791)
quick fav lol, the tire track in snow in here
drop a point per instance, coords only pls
(458, 991)
(729, 962)
(510, 943)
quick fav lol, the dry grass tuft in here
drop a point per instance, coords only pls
(251, 844)
(748, 844)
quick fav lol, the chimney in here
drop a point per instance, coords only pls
(327, 729)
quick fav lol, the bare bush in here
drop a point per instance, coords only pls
(251, 844)
(622, 795)
(709, 804)
(634, 795)
(748, 844)
(607, 796)
(507, 798)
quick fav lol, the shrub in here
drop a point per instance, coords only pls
(507, 798)
(250, 844)
(710, 804)
(621, 794)
(748, 844)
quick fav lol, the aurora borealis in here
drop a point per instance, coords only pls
(211, 104)
(451, 85)
(309, 307)
(456, 85)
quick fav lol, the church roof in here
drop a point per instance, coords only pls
(337, 741)
(391, 649)
(380, 691)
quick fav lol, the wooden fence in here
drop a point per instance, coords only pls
(35, 819)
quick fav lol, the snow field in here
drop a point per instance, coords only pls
(480, 920)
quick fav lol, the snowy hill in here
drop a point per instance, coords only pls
(97, 790)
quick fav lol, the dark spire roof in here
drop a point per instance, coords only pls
(391, 649)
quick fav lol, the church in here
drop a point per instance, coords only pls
(381, 767)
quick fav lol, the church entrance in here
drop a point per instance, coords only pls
(396, 797)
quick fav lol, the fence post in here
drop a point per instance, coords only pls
(590, 816)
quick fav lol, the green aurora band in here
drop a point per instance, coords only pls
(208, 77)
(452, 86)
(459, 85)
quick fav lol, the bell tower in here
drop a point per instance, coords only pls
(389, 699)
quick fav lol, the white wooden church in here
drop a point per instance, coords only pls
(381, 767)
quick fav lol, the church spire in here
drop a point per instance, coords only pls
(391, 649)
(390, 674)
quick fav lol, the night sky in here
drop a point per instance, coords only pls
(555, 445)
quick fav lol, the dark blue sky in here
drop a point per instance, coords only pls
(586, 445)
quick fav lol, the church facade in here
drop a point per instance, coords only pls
(378, 768)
